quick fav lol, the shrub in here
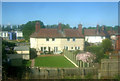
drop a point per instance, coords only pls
(106, 45)
(117, 77)
(76, 52)
(89, 76)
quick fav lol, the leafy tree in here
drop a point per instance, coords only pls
(0, 27)
(51, 26)
(20, 27)
(107, 45)
(29, 28)
(8, 28)
(97, 50)
(4, 56)
(9, 71)
(115, 28)
(64, 26)
(74, 28)
(86, 45)
(76, 52)
(14, 27)
(91, 27)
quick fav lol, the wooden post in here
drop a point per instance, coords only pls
(83, 64)
(88, 64)
(80, 63)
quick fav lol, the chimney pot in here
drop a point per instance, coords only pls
(103, 28)
(80, 28)
(59, 27)
(37, 26)
(97, 29)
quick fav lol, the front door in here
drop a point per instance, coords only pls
(49, 49)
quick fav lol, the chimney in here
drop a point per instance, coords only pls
(37, 26)
(80, 28)
(118, 42)
(103, 28)
(111, 29)
(97, 30)
(59, 27)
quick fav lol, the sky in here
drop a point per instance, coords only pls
(72, 13)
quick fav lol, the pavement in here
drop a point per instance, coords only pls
(33, 63)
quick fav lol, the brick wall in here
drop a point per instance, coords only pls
(118, 43)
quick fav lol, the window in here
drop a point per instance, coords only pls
(87, 39)
(102, 37)
(66, 47)
(78, 48)
(5, 34)
(44, 48)
(55, 49)
(47, 39)
(73, 39)
(75, 48)
(71, 47)
(53, 39)
(41, 48)
(68, 39)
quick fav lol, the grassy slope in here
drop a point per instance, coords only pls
(53, 61)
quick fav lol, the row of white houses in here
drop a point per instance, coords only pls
(12, 35)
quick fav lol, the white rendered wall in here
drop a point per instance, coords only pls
(37, 43)
(94, 39)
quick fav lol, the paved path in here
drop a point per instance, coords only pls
(32, 63)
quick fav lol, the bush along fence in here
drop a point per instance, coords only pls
(33, 53)
(78, 63)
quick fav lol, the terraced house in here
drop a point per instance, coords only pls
(96, 36)
(57, 40)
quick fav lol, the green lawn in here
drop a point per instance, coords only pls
(53, 61)
(27, 63)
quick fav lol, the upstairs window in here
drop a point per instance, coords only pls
(53, 39)
(73, 39)
(68, 39)
(47, 39)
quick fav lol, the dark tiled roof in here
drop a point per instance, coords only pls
(90, 32)
(112, 32)
(56, 33)
(72, 33)
(21, 48)
(47, 33)
(93, 32)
